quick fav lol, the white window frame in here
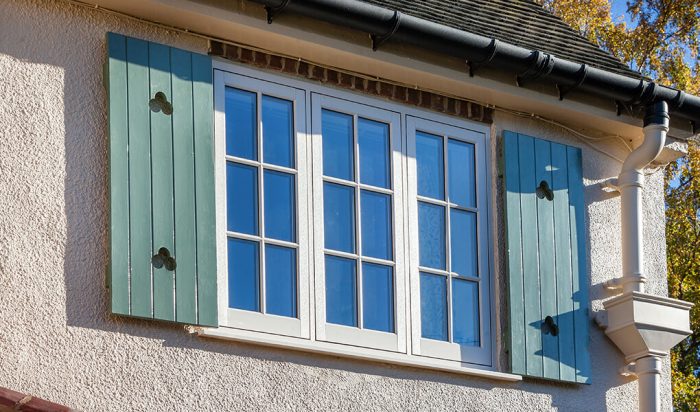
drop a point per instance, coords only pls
(481, 354)
(395, 341)
(309, 339)
(244, 319)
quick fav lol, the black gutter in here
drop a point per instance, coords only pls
(479, 51)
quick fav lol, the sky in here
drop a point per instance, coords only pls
(619, 8)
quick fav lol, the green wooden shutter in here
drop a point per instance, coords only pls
(546, 260)
(161, 166)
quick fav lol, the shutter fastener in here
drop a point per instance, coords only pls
(163, 259)
(160, 103)
(549, 327)
(544, 191)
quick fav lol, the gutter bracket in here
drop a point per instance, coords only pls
(581, 77)
(678, 101)
(473, 65)
(641, 96)
(542, 65)
(379, 39)
(649, 94)
(621, 106)
(275, 11)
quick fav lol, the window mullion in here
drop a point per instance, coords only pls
(261, 207)
(358, 226)
(448, 240)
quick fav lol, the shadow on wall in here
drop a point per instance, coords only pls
(86, 214)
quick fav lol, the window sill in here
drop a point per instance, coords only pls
(346, 351)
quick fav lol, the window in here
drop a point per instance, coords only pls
(357, 202)
(266, 228)
(349, 223)
(447, 181)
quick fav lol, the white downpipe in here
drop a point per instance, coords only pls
(648, 371)
(630, 183)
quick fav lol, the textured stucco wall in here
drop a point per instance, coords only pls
(57, 340)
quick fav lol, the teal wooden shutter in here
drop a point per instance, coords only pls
(546, 260)
(161, 165)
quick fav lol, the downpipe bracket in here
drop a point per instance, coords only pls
(629, 370)
(610, 186)
(619, 283)
(601, 319)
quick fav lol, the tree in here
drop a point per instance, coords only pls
(662, 42)
(683, 254)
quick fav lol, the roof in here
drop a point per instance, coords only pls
(519, 22)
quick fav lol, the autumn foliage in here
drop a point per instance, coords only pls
(683, 251)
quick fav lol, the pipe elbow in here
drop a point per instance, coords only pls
(654, 141)
(656, 121)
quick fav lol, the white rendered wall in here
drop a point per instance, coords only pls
(57, 339)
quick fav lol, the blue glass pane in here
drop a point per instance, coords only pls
(242, 198)
(243, 275)
(463, 242)
(378, 297)
(338, 151)
(465, 312)
(460, 176)
(279, 206)
(430, 165)
(431, 235)
(281, 281)
(433, 306)
(373, 139)
(339, 217)
(341, 291)
(241, 121)
(278, 131)
(376, 225)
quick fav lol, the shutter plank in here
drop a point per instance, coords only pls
(545, 244)
(118, 173)
(202, 93)
(531, 281)
(578, 265)
(562, 249)
(139, 178)
(183, 158)
(162, 183)
(514, 253)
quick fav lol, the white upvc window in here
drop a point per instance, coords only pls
(448, 203)
(358, 247)
(261, 170)
(348, 224)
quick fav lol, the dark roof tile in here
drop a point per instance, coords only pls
(519, 22)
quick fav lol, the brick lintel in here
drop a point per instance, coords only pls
(406, 95)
